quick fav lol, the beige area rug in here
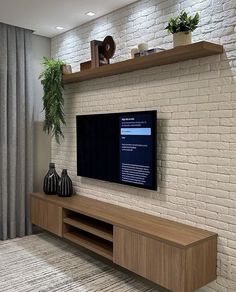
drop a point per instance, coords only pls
(44, 263)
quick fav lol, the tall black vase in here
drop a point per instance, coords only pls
(51, 181)
(65, 188)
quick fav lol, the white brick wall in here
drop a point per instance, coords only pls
(196, 105)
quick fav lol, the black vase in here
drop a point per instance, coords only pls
(51, 181)
(65, 188)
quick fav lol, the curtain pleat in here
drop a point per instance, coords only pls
(29, 129)
(16, 131)
(12, 126)
(3, 133)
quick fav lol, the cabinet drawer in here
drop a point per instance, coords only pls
(155, 260)
(39, 212)
(46, 215)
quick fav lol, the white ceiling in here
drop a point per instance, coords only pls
(43, 16)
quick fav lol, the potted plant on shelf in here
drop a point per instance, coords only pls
(53, 101)
(182, 27)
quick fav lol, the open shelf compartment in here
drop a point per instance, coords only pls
(90, 241)
(90, 225)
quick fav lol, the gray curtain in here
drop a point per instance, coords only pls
(16, 131)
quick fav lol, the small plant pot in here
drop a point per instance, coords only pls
(182, 38)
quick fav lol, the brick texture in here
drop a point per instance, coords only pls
(196, 105)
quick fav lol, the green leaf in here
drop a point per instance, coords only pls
(183, 23)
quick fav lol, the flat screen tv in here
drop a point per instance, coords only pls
(118, 147)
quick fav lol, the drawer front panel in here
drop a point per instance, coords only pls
(46, 215)
(155, 260)
(39, 214)
(54, 215)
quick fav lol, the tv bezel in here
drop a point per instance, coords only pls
(154, 152)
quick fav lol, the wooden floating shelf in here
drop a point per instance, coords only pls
(181, 53)
(99, 247)
(99, 230)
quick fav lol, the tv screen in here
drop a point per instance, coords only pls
(118, 147)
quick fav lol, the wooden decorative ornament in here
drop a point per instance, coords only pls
(108, 48)
(101, 53)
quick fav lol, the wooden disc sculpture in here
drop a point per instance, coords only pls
(101, 53)
(108, 48)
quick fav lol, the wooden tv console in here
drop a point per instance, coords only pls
(176, 256)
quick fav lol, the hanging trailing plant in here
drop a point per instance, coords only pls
(53, 102)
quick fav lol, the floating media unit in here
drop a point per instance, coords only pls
(176, 256)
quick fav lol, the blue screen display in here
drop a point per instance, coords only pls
(136, 149)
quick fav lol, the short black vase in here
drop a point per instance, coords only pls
(51, 181)
(65, 188)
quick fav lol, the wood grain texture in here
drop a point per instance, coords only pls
(177, 269)
(97, 229)
(173, 255)
(155, 260)
(46, 215)
(175, 233)
(181, 53)
(99, 247)
(38, 211)
(54, 223)
(201, 261)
